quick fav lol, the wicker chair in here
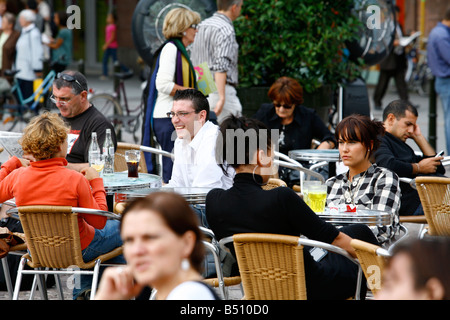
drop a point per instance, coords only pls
(372, 259)
(119, 157)
(220, 281)
(271, 265)
(274, 183)
(434, 193)
(19, 249)
(53, 241)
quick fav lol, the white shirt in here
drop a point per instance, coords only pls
(190, 290)
(165, 80)
(195, 162)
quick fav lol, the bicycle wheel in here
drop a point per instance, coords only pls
(14, 119)
(108, 105)
(424, 76)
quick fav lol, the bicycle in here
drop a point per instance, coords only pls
(418, 73)
(18, 108)
(120, 115)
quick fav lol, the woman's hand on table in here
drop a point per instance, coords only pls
(90, 173)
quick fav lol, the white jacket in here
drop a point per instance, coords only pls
(30, 53)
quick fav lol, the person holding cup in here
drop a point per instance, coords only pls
(364, 185)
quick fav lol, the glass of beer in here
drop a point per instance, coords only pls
(132, 157)
(317, 197)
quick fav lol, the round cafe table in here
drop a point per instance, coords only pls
(362, 216)
(193, 195)
(119, 182)
(329, 155)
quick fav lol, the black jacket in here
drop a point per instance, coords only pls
(307, 125)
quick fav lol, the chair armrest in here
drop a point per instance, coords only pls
(301, 169)
(223, 242)
(328, 247)
(107, 214)
(410, 181)
(207, 232)
(157, 151)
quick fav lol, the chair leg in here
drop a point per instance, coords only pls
(95, 279)
(7, 276)
(59, 287)
(42, 286)
(19, 278)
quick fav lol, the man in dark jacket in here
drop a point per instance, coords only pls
(394, 153)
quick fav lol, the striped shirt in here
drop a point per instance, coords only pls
(215, 43)
(375, 189)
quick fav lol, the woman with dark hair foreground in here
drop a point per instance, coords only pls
(164, 250)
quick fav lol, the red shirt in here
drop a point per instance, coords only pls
(49, 182)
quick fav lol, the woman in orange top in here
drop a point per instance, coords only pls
(46, 181)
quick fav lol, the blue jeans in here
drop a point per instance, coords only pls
(105, 240)
(111, 53)
(442, 86)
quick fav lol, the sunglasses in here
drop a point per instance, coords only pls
(70, 78)
(194, 26)
(277, 105)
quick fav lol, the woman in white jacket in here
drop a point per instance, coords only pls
(29, 57)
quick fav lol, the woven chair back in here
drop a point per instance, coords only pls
(371, 263)
(434, 193)
(271, 266)
(274, 183)
(52, 236)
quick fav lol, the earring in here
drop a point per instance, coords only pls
(184, 33)
(185, 265)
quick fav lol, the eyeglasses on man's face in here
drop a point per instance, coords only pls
(180, 114)
(62, 101)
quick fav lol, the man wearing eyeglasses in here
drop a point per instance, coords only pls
(195, 163)
(70, 97)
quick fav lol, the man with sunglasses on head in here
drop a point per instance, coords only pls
(70, 92)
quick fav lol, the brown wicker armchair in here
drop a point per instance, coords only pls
(434, 193)
(221, 281)
(53, 241)
(271, 265)
(372, 259)
(19, 249)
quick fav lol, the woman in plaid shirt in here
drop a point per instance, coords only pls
(364, 185)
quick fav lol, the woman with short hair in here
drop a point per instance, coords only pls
(45, 180)
(365, 185)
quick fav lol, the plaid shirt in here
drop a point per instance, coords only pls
(379, 189)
